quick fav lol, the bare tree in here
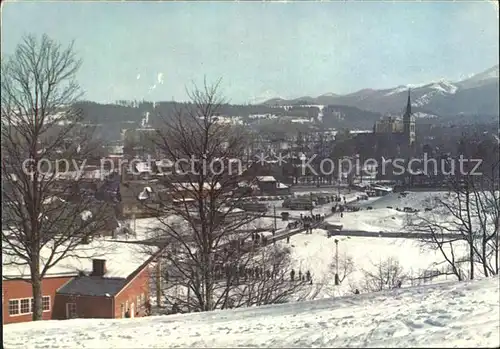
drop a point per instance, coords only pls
(261, 277)
(209, 237)
(45, 218)
(463, 225)
(345, 267)
(385, 274)
(272, 284)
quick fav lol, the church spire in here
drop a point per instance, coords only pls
(408, 105)
(409, 122)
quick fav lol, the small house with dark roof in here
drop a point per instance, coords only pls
(109, 279)
(268, 185)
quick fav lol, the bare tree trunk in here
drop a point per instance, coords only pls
(484, 247)
(497, 252)
(471, 256)
(45, 219)
(36, 286)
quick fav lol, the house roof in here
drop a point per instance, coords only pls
(266, 179)
(93, 286)
(143, 167)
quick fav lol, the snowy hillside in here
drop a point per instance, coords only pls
(481, 78)
(446, 315)
(428, 92)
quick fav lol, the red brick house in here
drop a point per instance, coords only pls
(17, 297)
(113, 278)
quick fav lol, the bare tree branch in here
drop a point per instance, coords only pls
(44, 221)
(213, 251)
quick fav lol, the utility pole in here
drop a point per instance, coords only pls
(158, 282)
(274, 208)
(337, 280)
(135, 225)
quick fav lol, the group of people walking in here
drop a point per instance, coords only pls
(301, 277)
(308, 222)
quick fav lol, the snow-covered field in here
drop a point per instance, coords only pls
(382, 218)
(446, 315)
(417, 199)
(316, 253)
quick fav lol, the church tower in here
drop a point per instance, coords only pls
(409, 123)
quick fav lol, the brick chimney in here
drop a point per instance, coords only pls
(98, 267)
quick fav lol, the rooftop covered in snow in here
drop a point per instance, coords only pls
(122, 259)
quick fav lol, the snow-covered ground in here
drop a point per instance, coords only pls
(316, 252)
(383, 218)
(447, 315)
(417, 199)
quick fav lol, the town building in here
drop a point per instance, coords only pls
(389, 124)
(107, 279)
(268, 185)
(396, 125)
(387, 140)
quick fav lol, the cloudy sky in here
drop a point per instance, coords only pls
(154, 50)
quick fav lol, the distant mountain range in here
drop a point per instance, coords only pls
(473, 100)
(477, 95)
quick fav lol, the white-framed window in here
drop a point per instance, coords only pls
(138, 301)
(122, 309)
(46, 303)
(143, 298)
(13, 306)
(23, 306)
